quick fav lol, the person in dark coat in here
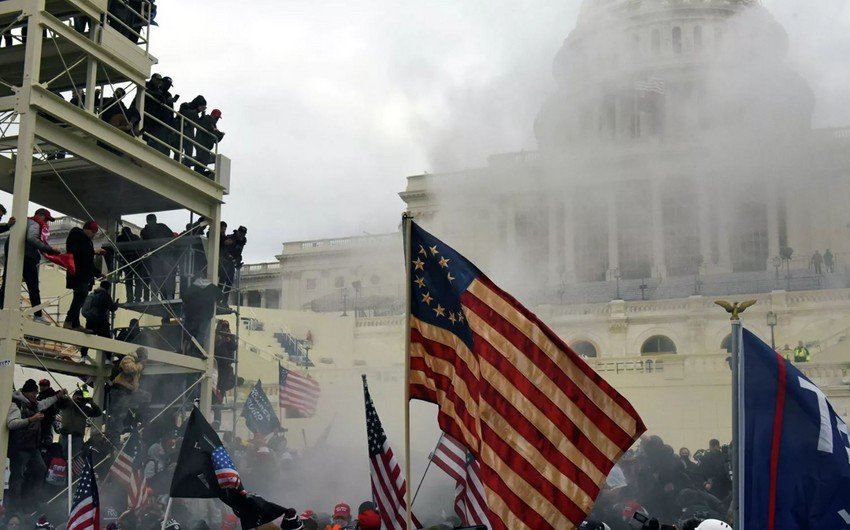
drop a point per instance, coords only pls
(99, 311)
(161, 262)
(136, 277)
(79, 244)
(207, 136)
(192, 112)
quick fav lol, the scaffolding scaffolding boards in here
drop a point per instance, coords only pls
(107, 173)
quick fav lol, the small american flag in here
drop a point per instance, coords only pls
(127, 469)
(85, 505)
(225, 469)
(78, 464)
(458, 463)
(388, 484)
(297, 391)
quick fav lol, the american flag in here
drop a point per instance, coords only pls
(470, 499)
(85, 505)
(544, 428)
(297, 391)
(225, 469)
(388, 484)
(127, 469)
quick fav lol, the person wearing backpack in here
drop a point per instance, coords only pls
(97, 310)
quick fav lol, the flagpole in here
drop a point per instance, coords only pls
(430, 461)
(167, 512)
(737, 424)
(407, 223)
(69, 468)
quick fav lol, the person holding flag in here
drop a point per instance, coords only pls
(205, 471)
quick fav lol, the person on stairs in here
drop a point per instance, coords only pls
(79, 244)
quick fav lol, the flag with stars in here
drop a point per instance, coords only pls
(388, 484)
(128, 470)
(225, 469)
(544, 427)
(204, 468)
(85, 505)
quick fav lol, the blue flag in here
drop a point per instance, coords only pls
(797, 452)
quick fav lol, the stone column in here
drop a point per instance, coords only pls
(569, 272)
(706, 223)
(724, 212)
(555, 258)
(659, 261)
(772, 222)
(613, 236)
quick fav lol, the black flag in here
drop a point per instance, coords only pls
(204, 470)
(258, 412)
(195, 475)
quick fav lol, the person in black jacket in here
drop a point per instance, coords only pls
(136, 276)
(79, 244)
(162, 262)
(97, 310)
(191, 111)
(207, 136)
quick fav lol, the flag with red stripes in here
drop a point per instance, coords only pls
(543, 426)
(127, 470)
(388, 484)
(85, 504)
(470, 504)
(298, 391)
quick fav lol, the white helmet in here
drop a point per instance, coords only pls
(713, 524)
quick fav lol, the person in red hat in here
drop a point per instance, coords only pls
(79, 244)
(207, 136)
(369, 520)
(341, 518)
(35, 244)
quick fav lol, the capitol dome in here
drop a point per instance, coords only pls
(633, 69)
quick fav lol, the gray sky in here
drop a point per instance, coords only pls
(329, 105)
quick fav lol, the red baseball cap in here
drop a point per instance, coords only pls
(91, 225)
(44, 212)
(369, 520)
(215, 113)
(342, 510)
(44, 382)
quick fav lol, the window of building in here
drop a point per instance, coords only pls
(591, 235)
(749, 238)
(608, 122)
(310, 284)
(339, 281)
(680, 217)
(658, 345)
(697, 38)
(584, 348)
(677, 39)
(656, 41)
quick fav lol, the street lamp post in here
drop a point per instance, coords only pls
(771, 321)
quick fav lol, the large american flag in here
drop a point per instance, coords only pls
(543, 426)
(225, 469)
(128, 470)
(470, 498)
(388, 484)
(297, 391)
(85, 504)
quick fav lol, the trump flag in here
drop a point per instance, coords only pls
(797, 453)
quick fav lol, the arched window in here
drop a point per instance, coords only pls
(677, 39)
(584, 348)
(656, 41)
(698, 38)
(657, 345)
(727, 343)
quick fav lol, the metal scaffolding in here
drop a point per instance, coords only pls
(66, 157)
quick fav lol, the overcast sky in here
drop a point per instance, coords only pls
(329, 105)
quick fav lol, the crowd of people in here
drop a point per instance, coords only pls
(673, 487)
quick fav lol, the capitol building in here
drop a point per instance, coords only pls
(676, 164)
